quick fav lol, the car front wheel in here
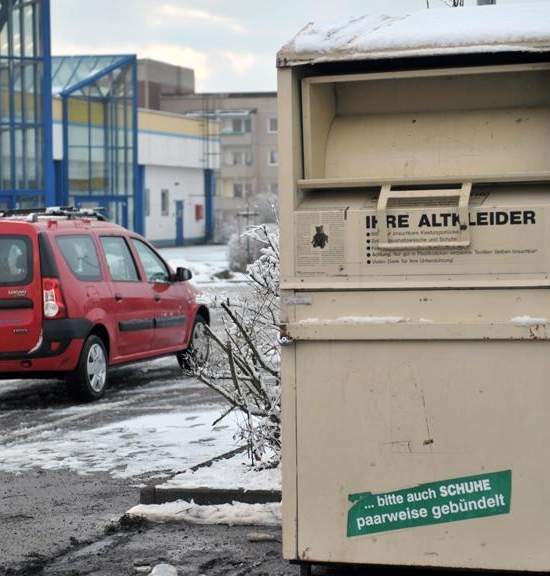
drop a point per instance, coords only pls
(89, 380)
(196, 355)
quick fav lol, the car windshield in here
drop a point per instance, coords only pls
(15, 260)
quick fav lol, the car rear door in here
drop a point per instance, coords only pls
(20, 289)
(132, 296)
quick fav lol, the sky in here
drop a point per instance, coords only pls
(231, 45)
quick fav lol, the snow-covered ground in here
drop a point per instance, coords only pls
(147, 444)
(234, 473)
(209, 264)
(234, 514)
(153, 421)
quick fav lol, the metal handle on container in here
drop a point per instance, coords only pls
(462, 194)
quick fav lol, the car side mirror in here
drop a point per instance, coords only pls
(183, 274)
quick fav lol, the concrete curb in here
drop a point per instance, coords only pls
(156, 494)
(205, 496)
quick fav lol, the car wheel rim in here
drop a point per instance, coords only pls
(97, 368)
(201, 343)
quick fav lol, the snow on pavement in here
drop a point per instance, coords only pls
(235, 514)
(204, 261)
(147, 444)
(233, 473)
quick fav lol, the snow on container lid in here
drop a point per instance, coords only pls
(434, 32)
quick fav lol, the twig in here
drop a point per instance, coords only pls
(249, 341)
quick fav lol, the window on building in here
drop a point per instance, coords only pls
(272, 125)
(147, 201)
(165, 203)
(199, 212)
(80, 254)
(238, 158)
(238, 125)
(100, 156)
(242, 189)
(274, 188)
(273, 158)
(23, 52)
(119, 259)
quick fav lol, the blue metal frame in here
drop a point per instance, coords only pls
(47, 115)
(139, 214)
(103, 201)
(120, 62)
(38, 124)
(83, 89)
(180, 223)
(209, 190)
(139, 202)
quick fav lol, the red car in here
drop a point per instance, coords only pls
(79, 294)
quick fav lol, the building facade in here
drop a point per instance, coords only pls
(157, 78)
(248, 163)
(71, 133)
(96, 132)
(178, 191)
(26, 169)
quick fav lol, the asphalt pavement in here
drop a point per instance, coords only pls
(44, 513)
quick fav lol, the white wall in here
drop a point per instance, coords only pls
(167, 150)
(185, 184)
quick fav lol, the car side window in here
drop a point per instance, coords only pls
(119, 259)
(154, 267)
(81, 256)
(15, 260)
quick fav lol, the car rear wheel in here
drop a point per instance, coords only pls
(196, 355)
(89, 380)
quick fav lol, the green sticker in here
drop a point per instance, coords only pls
(433, 503)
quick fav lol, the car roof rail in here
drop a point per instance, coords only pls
(69, 212)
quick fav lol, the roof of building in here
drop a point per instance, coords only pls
(434, 32)
(80, 74)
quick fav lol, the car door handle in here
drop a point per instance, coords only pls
(157, 298)
(118, 297)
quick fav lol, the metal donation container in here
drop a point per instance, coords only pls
(415, 275)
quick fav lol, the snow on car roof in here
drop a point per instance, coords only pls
(434, 32)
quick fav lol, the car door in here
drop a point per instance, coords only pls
(171, 314)
(132, 297)
(20, 289)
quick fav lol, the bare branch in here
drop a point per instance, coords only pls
(249, 341)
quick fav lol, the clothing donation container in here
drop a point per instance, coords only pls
(415, 274)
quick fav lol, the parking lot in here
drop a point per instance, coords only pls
(69, 471)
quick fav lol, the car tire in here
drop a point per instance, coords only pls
(196, 354)
(89, 380)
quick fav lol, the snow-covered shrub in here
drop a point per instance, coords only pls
(244, 353)
(243, 249)
(266, 206)
(224, 229)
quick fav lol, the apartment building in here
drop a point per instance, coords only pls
(239, 140)
(247, 177)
